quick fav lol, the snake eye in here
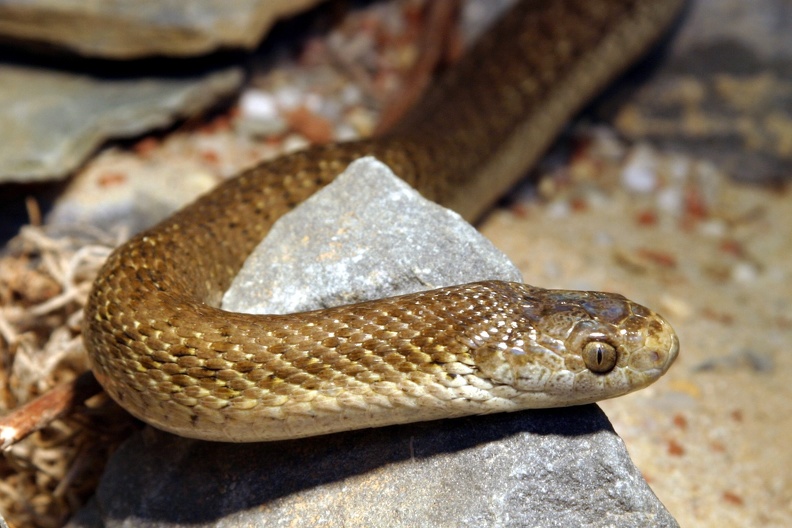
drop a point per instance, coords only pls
(599, 357)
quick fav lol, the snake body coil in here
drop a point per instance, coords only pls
(161, 348)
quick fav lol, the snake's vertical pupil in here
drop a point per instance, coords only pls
(599, 357)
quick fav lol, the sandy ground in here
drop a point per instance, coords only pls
(713, 257)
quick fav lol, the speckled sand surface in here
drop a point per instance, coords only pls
(712, 437)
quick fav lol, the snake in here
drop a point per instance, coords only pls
(162, 348)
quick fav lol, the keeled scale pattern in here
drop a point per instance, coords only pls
(166, 354)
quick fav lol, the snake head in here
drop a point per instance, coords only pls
(576, 347)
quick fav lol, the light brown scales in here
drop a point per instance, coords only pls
(161, 349)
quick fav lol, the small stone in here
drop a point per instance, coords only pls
(255, 104)
(259, 114)
(676, 308)
(640, 172)
(671, 200)
(365, 236)
(713, 228)
(745, 273)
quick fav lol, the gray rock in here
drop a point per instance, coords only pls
(558, 467)
(365, 236)
(125, 30)
(51, 121)
(539, 468)
(146, 192)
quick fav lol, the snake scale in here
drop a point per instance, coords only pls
(162, 349)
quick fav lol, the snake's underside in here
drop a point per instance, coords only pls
(161, 348)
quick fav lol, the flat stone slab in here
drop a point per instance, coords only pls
(126, 30)
(51, 121)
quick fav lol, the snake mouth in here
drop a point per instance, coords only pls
(672, 349)
(673, 352)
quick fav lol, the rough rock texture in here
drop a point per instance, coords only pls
(368, 235)
(561, 467)
(124, 30)
(51, 121)
(126, 194)
(541, 468)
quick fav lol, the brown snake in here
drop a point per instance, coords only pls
(161, 348)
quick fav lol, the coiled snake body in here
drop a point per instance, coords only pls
(161, 348)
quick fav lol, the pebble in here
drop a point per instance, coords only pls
(259, 114)
(713, 228)
(671, 200)
(256, 104)
(675, 308)
(640, 172)
(744, 272)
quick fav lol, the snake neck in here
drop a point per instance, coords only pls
(490, 117)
